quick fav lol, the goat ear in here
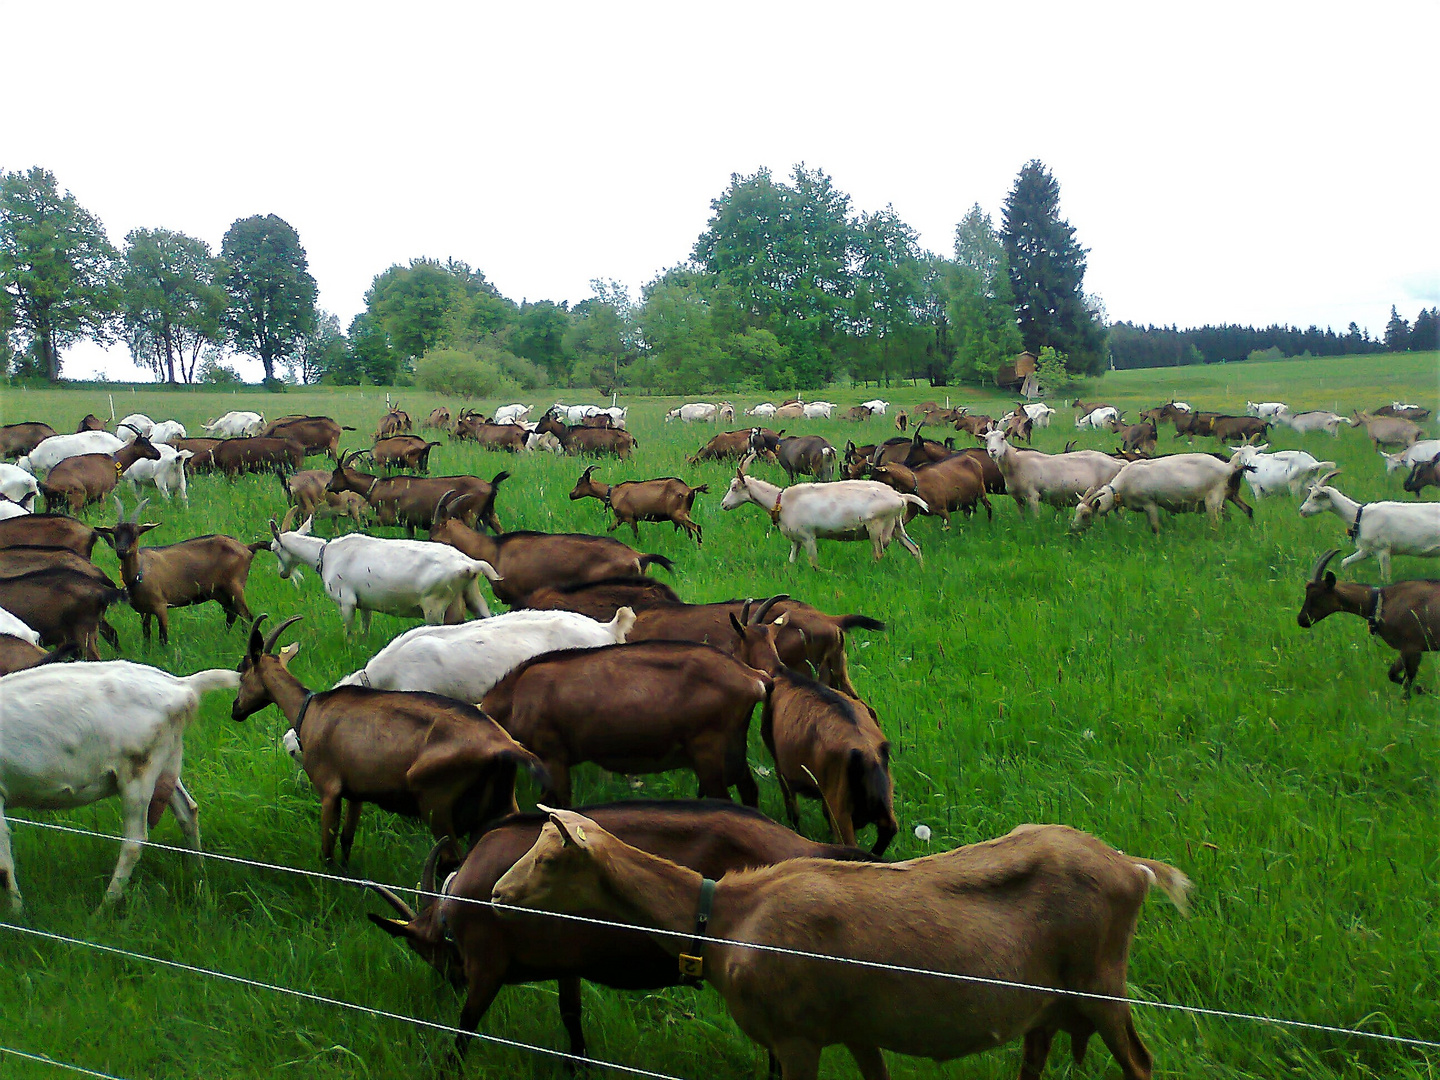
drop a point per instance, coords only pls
(736, 624)
(1329, 579)
(257, 643)
(288, 653)
(106, 533)
(304, 529)
(778, 622)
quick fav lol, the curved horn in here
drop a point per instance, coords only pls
(133, 428)
(1327, 476)
(768, 604)
(119, 510)
(432, 861)
(287, 523)
(589, 469)
(440, 506)
(1322, 562)
(745, 611)
(139, 509)
(275, 634)
(402, 909)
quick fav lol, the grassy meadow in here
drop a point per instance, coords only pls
(1154, 691)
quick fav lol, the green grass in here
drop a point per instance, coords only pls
(1156, 692)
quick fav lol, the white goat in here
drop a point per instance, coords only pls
(1098, 418)
(1039, 413)
(1284, 470)
(692, 413)
(1306, 423)
(1379, 529)
(1179, 483)
(11, 625)
(16, 483)
(616, 413)
(57, 448)
(1057, 479)
(842, 510)
(397, 577)
(166, 430)
(512, 414)
(543, 440)
(876, 406)
(466, 661)
(765, 408)
(234, 425)
(819, 410)
(1424, 450)
(134, 424)
(11, 508)
(167, 475)
(72, 735)
(1268, 410)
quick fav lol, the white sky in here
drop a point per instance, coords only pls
(1248, 162)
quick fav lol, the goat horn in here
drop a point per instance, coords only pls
(275, 634)
(139, 508)
(133, 428)
(404, 909)
(287, 523)
(440, 506)
(432, 860)
(119, 510)
(768, 604)
(586, 474)
(745, 612)
(1328, 475)
(1322, 562)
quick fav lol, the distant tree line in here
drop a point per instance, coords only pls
(788, 287)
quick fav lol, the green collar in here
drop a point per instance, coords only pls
(692, 962)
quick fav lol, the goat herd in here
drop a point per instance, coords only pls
(598, 663)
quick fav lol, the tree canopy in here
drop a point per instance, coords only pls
(171, 305)
(272, 295)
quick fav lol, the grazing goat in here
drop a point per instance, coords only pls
(1103, 416)
(1423, 474)
(234, 425)
(976, 426)
(306, 491)
(700, 411)
(15, 561)
(819, 410)
(402, 452)
(438, 419)
(765, 409)
(506, 436)
(512, 414)
(1266, 410)
(528, 561)
(1138, 437)
(1423, 450)
(1418, 413)
(1315, 420)
(1284, 470)
(902, 421)
(1045, 905)
(257, 454)
(469, 943)
(633, 501)
(18, 654)
(317, 434)
(70, 736)
(1379, 529)
(857, 414)
(57, 448)
(193, 571)
(16, 483)
(414, 754)
(593, 441)
(876, 406)
(1406, 615)
(48, 530)
(806, 455)
(791, 410)
(17, 440)
(203, 449)
(165, 431)
(602, 599)
(727, 446)
(88, 478)
(411, 500)
(396, 421)
(466, 661)
(399, 577)
(1039, 412)
(956, 483)
(1181, 483)
(826, 745)
(1060, 480)
(639, 708)
(1387, 430)
(165, 474)
(844, 510)
(66, 607)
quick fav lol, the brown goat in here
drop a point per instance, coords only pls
(415, 754)
(470, 944)
(411, 500)
(204, 451)
(1418, 413)
(921, 450)
(1423, 474)
(62, 606)
(256, 454)
(806, 455)
(17, 440)
(396, 421)
(402, 452)
(532, 561)
(1405, 615)
(193, 571)
(1019, 426)
(643, 708)
(727, 446)
(1393, 431)
(957, 483)
(633, 501)
(606, 594)
(1045, 905)
(91, 422)
(88, 478)
(48, 530)
(18, 560)
(508, 437)
(826, 745)
(438, 419)
(857, 413)
(975, 426)
(1245, 428)
(1139, 437)
(902, 421)
(17, 654)
(592, 441)
(318, 434)
(306, 492)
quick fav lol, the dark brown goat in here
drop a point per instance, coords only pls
(204, 451)
(858, 413)
(1245, 428)
(15, 561)
(806, 455)
(727, 446)
(411, 500)
(826, 745)
(193, 571)
(403, 452)
(470, 945)
(976, 426)
(1139, 437)
(902, 421)
(438, 418)
(643, 708)
(1417, 413)
(256, 454)
(592, 441)
(1423, 474)
(62, 606)
(476, 428)
(91, 422)
(415, 754)
(632, 501)
(48, 530)
(317, 434)
(810, 638)
(1405, 615)
(17, 440)
(957, 483)
(921, 450)
(1019, 427)
(87, 478)
(396, 421)
(531, 561)
(17, 654)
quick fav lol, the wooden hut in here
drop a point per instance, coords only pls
(1019, 375)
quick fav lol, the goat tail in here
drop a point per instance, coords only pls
(1170, 881)
(346, 427)
(203, 682)
(703, 489)
(647, 561)
(864, 622)
(915, 500)
(258, 546)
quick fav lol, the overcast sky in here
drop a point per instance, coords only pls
(1248, 162)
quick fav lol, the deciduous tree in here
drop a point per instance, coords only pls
(171, 306)
(272, 295)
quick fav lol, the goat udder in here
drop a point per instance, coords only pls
(160, 798)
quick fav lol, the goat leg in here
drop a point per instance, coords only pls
(869, 1061)
(347, 833)
(7, 866)
(1037, 1052)
(570, 1015)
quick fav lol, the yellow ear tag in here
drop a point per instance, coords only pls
(580, 832)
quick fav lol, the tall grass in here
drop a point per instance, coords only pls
(1156, 692)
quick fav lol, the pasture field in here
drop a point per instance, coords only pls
(1154, 691)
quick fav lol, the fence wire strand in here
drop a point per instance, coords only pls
(43, 1060)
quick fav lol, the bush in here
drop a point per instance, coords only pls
(455, 373)
(1272, 353)
(214, 373)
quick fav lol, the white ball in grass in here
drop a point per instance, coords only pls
(922, 833)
